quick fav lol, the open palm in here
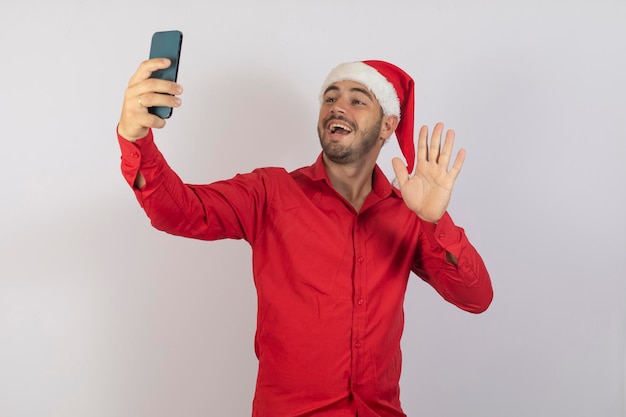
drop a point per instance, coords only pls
(428, 191)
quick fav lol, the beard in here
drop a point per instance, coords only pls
(342, 154)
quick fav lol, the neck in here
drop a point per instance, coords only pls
(352, 181)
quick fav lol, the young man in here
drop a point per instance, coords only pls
(333, 243)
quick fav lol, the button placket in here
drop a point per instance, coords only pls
(358, 314)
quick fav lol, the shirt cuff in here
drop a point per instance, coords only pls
(449, 236)
(137, 154)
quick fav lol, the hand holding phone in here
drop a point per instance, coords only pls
(143, 96)
(166, 45)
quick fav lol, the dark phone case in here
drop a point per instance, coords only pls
(166, 45)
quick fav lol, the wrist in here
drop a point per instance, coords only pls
(131, 135)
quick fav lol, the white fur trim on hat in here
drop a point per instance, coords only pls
(368, 76)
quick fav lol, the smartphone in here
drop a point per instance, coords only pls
(166, 45)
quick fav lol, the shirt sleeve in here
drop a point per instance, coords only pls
(467, 284)
(225, 209)
(143, 154)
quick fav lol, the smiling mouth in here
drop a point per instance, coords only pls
(339, 129)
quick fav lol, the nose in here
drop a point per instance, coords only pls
(338, 107)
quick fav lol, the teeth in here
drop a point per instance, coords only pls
(335, 126)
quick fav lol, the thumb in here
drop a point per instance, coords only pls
(402, 174)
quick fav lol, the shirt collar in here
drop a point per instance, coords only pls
(381, 185)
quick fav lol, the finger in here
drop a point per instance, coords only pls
(458, 164)
(135, 118)
(150, 120)
(422, 144)
(146, 94)
(399, 168)
(435, 142)
(154, 85)
(146, 68)
(446, 150)
(157, 99)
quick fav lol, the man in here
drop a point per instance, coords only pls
(333, 243)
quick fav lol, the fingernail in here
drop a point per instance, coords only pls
(177, 101)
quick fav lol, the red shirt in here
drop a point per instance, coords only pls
(330, 281)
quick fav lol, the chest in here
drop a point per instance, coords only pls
(323, 243)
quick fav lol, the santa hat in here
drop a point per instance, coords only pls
(393, 89)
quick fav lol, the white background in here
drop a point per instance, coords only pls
(101, 315)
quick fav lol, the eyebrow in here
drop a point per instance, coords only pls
(364, 91)
(353, 89)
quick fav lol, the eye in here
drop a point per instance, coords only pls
(330, 100)
(358, 102)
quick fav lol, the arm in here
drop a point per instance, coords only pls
(427, 193)
(446, 260)
(222, 210)
(144, 92)
(465, 283)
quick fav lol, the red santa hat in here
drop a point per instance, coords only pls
(393, 89)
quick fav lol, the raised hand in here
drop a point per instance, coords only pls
(144, 92)
(427, 193)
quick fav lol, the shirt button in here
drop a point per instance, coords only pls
(360, 301)
(135, 154)
(357, 345)
(442, 235)
(360, 259)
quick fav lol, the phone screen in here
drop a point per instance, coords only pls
(166, 45)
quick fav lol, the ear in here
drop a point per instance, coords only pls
(388, 126)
